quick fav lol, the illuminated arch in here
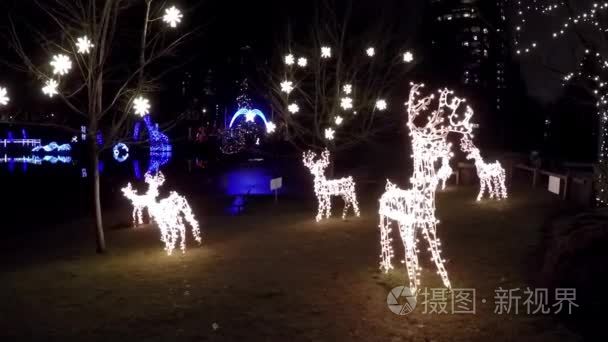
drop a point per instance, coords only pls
(250, 115)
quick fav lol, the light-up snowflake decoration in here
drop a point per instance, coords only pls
(290, 59)
(414, 209)
(293, 108)
(325, 52)
(141, 105)
(173, 16)
(287, 87)
(171, 214)
(61, 64)
(346, 103)
(381, 104)
(4, 99)
(326, 188)
(347, 89)
(302, 62)
(408, 57)
(50, 88)
(338, 120)
(270, 127)
(491, 176)
(329, 133)
(84, 45)
(371, 52)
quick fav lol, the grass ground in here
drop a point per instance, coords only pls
(271, 275)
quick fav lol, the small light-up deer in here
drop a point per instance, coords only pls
(141, 202)
(491, 176)
(326, 188)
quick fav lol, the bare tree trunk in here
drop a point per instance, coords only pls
(100, 238)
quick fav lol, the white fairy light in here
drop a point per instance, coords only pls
(329, 133)
(338, 120)
(408, 57)
(141, 105)
(381, 104)
(370, 51)
(287, 86)
(173, 16)
(50, 88)
(414, 209)
(293, 108)
(346, 103)
(4, 99)
(270, 127)
(290, 59)
(491, 176)
(61, 64)
(326, 188)
(348, 89)
(325, 52)
(84, 45)
(302, 62)
(171, 214)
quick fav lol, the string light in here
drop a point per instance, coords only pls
(61, 64)
(4, 99)
(370, 51)
(302, 62)
(414, 209)
(141, 105)
(293, 108)
(50, 88)
(445, 171)
(326, 188)
(287, 87)
(381, 105)
(84, 45)
(329, 133)
(171, 214)
(53, 146)
(290, 59)
(173, 16)
(325, 52)
(491, 176)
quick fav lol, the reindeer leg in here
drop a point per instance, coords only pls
(385, 244)
(320, 209)
(430, 234)
(328, 207)
(347, 204)
(411, 254)
(355, 203)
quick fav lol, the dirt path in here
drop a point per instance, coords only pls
(278, 275)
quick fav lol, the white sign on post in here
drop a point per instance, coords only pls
(554, 184)
(276, 183)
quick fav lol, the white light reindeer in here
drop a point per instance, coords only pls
(326, 188)
(141, 202)
(171, 213)
(491, 176)
(414, 209)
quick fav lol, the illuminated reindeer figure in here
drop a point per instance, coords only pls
(326, 188)
(491, 176)
(170, 213)
(445, 171)
(141, 202)
(414, 209)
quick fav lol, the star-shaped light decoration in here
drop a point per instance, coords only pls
(338, 120)
(381, 104)
(173, 16)
(290, 59)
(408, 57)
(61, 64)
(302, 62)
(4, 96)
(84, 45)
(50, 88)
(329, 133)
(370, 51)
(348, 88)
(346, 103)
(325, 52)
(141, 106)
(250, 116)
(293, 108)
(270, 127)
(286, 86)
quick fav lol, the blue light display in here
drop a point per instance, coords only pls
(159, 142)
(250, 115)
(120, 152)
(157, 160)
(53, 146)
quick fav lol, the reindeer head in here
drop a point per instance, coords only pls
(317, 167)
(128, 191)
(443, 120)
(467, 146)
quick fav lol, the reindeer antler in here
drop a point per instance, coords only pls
(414, 106)
(308, 158)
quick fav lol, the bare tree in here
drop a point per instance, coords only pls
(100, 89)
(335, 89)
